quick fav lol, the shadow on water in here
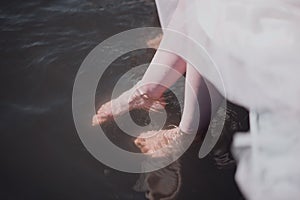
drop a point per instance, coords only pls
(43, 43)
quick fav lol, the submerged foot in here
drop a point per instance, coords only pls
(124, 103)
(157, 140)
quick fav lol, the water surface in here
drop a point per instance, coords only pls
(43, 43)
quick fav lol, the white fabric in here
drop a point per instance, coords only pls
(268, 158)
(256, 46)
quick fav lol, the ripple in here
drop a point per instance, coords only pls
(34, 44)
(33, 109)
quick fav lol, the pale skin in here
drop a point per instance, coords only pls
(148, 96)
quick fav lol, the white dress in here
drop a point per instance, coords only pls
(255, 45)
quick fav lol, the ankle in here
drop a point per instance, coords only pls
(152, 91)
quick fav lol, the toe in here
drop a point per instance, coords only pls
(144, 150)
(139, 142)
(95, 120)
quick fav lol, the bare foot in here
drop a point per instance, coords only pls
(103, 114)
(157, 140)
(136, 101)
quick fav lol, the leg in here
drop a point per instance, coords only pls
(154, 82)
(195, 99)
(201, 102)
(196, 103)
(164, 70)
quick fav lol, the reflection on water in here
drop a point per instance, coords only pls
(161, 184)
(42, 46)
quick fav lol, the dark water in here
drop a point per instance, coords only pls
(43, 43)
